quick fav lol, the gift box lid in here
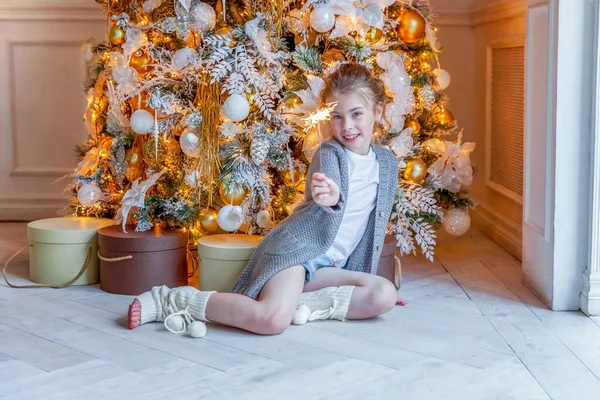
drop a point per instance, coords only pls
(156, 239)
(389, 245)
(65, 230)
(236, 247)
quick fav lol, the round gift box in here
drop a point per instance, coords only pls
(222, 259)
(132, 262)
(58, 248)
(387, 267)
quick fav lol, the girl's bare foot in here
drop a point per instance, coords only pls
(135, 314)
(399, 302)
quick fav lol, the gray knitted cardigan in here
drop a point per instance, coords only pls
(311, 229)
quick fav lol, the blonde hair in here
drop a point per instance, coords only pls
(356, 78)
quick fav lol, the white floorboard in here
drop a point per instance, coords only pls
(471, 330)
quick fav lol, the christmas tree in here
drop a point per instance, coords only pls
(199, 113)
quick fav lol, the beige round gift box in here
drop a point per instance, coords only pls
(222, 259)
(58, 248)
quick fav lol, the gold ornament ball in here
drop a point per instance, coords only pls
(234, 197)
(333, 55)
(140, 60)
(116, 35)
(414, 125)
(208, 220)
(456, 221)
(298, 177)
(411, 27)
(149, 151)
(373, 35)
(416, 170)
(445, 117)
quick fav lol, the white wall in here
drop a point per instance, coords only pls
(41, 100)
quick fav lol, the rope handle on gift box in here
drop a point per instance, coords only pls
(88, 257)
(115, 259)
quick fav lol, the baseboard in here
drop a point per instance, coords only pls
(31, 209)
(589, 298)
(501, 229)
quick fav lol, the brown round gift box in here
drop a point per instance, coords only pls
(133, 262)
(387, 267)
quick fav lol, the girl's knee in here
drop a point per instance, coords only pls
(382, 296)
(272, 321)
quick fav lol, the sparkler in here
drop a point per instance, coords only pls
(315, 118)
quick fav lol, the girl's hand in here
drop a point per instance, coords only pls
(324, 191)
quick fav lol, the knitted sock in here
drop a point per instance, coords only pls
(327, 303)
(160, 302)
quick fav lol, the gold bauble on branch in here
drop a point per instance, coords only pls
(149, 152)
(116, 35)
(411, 27)
(233, 197)
(373, 35)
(298, 177)
(333, 55)
(416, 170)
(208, 220)
(414, 125)
(444, 117)
(133, 157)
(140, 60)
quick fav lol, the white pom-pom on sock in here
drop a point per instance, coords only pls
(175, 323)
(197, 329)
(302, 314)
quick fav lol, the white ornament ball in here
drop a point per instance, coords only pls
(236, 107)
(457, 221)
(175, 323)
(202, 16)
(192, 178)
(442, 77)
(322, 19)
(89, 194)
(302, 314)
(263, 219)
(189, 144)
(142, 122)
(230, 218)
(197, 329)
(182, 57)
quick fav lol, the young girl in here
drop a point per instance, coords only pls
(320, 262)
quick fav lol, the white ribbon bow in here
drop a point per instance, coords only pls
(454, 165)
(135, 197)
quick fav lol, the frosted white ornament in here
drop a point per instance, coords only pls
(175, 324)
(123, 74)
(89, 194)
(456, 221)
(192, 178)
(142, 122)
(203, 16)
(322, 19)
(230, 218)
(189, 144)
(302, 314)
(236, 107)
(182, 57)
(442, 78)
(263, 219)
(197, 329)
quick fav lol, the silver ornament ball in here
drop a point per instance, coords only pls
(189, 144)
(322, 19)
(89, 194)
(141, 122)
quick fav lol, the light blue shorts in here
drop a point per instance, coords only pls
(313, 265)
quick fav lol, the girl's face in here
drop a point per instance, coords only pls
(352, 122)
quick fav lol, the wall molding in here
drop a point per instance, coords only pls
(455, 16)
(498, 10)
(29, 209)
(501, 229)
(50, 10)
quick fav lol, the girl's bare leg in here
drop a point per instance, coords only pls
(372, 295)
(270, 314)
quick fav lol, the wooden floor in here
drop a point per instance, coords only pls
(471, 330)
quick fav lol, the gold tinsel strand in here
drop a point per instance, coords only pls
(208, 102)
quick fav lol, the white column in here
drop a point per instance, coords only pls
(590, 294)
